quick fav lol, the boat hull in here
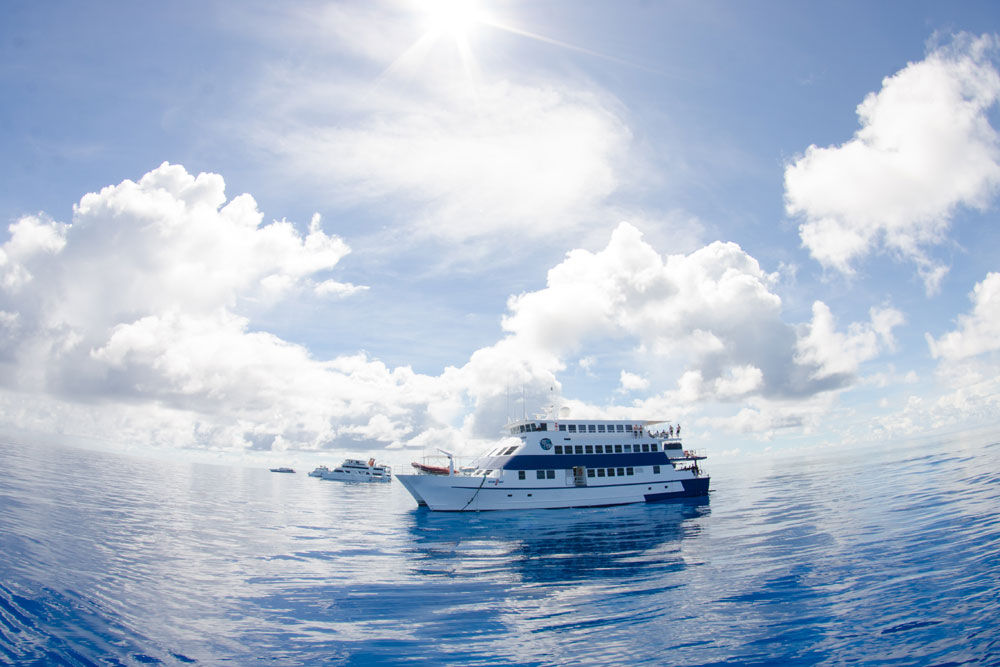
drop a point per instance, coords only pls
(457, 493)
(354, 477)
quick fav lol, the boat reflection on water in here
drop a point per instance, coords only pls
(548, 546)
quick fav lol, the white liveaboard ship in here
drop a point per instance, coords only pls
(353, 470)
(548, 463)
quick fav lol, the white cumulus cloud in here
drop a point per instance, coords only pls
(136, 320)
(925, 147)
(978, 331)
(712, 309)
(629, 382)
(835, 353)
(138, 301)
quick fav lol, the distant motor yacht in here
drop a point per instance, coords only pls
(353, 470)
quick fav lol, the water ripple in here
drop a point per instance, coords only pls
(890, 557)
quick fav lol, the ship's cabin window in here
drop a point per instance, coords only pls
(579, 449)
(600, 428)
(653, 447)
(550, 474)
(628, 449)
(562, 427)
(572, 428)
(629, 471)
(611, 472)
(540, 474)
(618, 449)
(590, 449)
(598, 449)
(558, 449)
(656, 470)
(592, 428)
(621, 472)
(544, 426)
(600, 472)
(520, 474)
(671, 445)
(645, 447)
(590, 472)
(620, 428)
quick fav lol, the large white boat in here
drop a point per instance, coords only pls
(353, 470)
(548, 463)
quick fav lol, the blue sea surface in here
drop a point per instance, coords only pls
(883, 556)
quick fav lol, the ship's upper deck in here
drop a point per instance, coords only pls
(584, 426)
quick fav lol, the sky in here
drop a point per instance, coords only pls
(288, 232)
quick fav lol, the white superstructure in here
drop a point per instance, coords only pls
(549, 463)
(353, 470)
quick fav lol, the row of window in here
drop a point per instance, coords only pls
(591, 472)
(595, 449)
(528, 428)
(616, 472)
(599, 428)
(607, 449)
(578, 428)
(609, 472)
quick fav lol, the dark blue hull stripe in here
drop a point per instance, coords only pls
(562, 461)
(692, 488)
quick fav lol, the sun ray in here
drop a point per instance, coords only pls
(454, 20)
(493, 23)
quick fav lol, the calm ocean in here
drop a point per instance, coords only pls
(886, 556)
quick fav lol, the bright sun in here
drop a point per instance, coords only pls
(454, 17)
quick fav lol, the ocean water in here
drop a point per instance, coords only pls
(884, 556)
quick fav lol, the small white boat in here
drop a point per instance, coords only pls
(353, 470)
(318, 472)
(548, 463)
(282, 470)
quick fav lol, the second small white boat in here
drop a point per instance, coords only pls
(353, 470)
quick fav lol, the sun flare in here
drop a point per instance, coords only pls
(454, 17)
